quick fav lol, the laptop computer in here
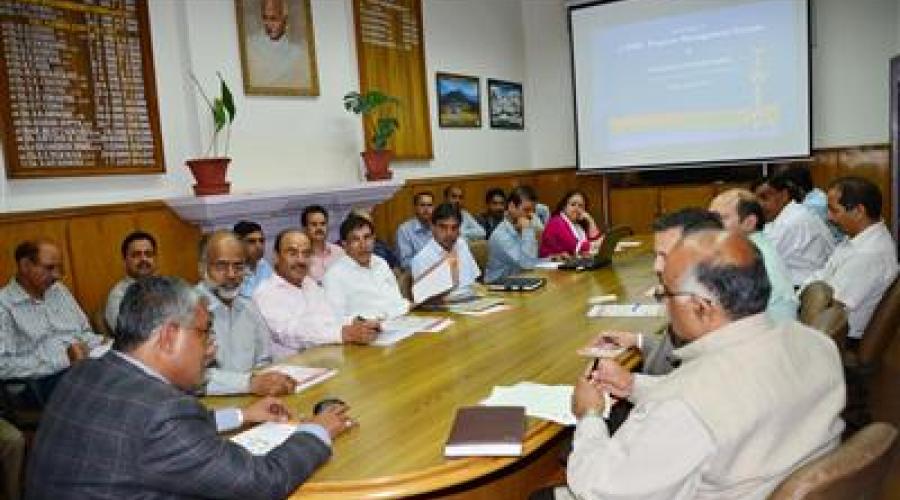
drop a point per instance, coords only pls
(517, 284)
(604, 254)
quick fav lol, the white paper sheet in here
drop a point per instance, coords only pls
(304, 375)
(264, 437)
(549, 402)
(548, 265)
(100, 350)
(435, 282)
(396, 329)
(625, 244)
(627, 311)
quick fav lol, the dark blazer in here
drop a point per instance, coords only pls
(112, 431)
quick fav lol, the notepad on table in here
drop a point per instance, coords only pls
(305, 376)
(627, 310)
(486, 431)
(396, 329)
(264, 437)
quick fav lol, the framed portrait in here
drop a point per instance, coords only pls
(278, 53)
(459, 101)
(505, 103)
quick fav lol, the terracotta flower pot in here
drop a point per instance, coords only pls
(210, 175)
(378, 164)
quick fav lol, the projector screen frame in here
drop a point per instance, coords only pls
(764, 161)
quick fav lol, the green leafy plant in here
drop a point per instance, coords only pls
(222, 109)
(375, 107)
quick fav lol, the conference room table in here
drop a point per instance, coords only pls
(405, 396)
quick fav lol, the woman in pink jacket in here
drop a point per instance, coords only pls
(571, 229)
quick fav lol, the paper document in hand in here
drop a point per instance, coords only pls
(264, 437)
(432, 282)
(396, 329)
(627, 311)
(548, 402)
(304, 375)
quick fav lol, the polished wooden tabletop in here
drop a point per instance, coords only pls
(405, 396)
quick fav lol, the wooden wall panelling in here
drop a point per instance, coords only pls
(178, 242)
(674, 198)
(635, 207)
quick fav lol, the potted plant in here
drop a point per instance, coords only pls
(374, 106)
(209, 171)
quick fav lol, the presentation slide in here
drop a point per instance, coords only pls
(687, 82)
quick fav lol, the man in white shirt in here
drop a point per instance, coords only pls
(315, 224)
(799, 236)
(361, 284)
(469, 226)
(242, 337)
(864, 265)
(446, 245)
(752, 400)
(139, 256)
(257, 269)
(295, 307)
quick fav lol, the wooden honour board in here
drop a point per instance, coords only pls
(77, 89)
(391, 55)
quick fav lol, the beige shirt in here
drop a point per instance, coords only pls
(750, 402)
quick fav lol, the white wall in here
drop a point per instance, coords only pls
(302, 141)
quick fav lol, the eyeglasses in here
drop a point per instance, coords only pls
(662, 293)
(207, 335)
(223, 266)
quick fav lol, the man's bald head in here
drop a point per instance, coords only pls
(739, 210)
(721, 275)
(274, 18)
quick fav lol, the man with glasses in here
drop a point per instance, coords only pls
(43, 331)
(752, 400)
(241, 334)
(139, 254)
(126, 425)
(361, 284)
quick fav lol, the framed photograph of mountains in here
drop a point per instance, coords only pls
(459, 101)
(505, 104)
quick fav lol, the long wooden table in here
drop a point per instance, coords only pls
(405, 396)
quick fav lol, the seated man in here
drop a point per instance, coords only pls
(257, 268)
(513, 246)
(139, 254)
(741, 212)
(469, 228)
(315, 223)
(242, 337)
(812, 197)
(361, 284)
(864, 265)
(381, 248)
(799, 236)
(446, 245)
(752, 400)
(42, 329)
(295, 307)
(124, 425)
(495, 210)
(415, 233)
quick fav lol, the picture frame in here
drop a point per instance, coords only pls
(459, 100)
(506, 105)
(277, 47)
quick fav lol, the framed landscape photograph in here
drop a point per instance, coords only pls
(505, 103)
(278, 52)
(459, 101)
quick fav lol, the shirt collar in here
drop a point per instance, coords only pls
(215, 302)
(421, 227)
(18, 295)
(737, 332)
(867, 235)
(141, 366)
(281, 282)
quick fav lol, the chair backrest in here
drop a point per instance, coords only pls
(833, 321)
(882, 326)
(853, 470)
(815, 298)
(404, 281)
(479, 249)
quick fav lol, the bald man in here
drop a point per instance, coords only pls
(42, 329)
(242, 337)
(276, 58)
(752, 400)
(740, 211)
(295, 306)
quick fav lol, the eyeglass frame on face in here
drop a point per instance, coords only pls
(207, 335)
(224, 266)
(662, 292)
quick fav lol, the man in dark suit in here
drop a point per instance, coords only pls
(124, 425)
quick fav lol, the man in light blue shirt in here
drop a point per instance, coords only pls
(257, 268)
(415, 233)
(470, 229)
(513, 244)
(740, 211)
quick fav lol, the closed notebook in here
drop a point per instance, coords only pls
(487, 431)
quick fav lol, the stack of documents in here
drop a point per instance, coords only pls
(627, 311)
(304, 375)
(396, 329)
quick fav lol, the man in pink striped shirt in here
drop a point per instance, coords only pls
(295, 306)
